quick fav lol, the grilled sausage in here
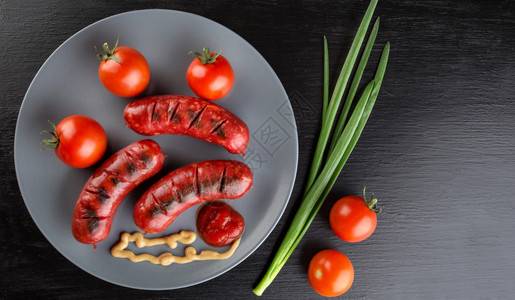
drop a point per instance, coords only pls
(183, 188)
(183, 115)
(109, 184)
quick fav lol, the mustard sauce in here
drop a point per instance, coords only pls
(167, 258)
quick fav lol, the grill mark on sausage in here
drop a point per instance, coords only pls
(213, 123)
(175, 194)
(196, 120)
(219, 129)
(143, 159)
(173, 199)
(221, 133)
(131, 167)
(114, 180)
(170, 201)
(92, 219)
(217, 126)
(155, 115)
(158, 207)
(101, 194)
(90, 213)
(186, 191)
(197, 182)
(114, 177)
(192, 114)
(222, 181)
(175, 117)
(154, 211)
(132, 162)
(93, 224)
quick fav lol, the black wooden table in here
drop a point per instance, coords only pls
(438, 151)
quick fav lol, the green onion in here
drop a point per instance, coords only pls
(323, 174)
(355, 83)
(339, 90)
(325, 99)
(368, 109)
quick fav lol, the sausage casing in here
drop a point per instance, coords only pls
(185, 187)
(108, 186)
(184, 115)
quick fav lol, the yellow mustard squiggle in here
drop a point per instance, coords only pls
(167, 258)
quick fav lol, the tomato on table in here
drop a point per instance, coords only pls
(210, 75)
(330, 273)
(354, 219)
(78, 141)
(123, 71)
(218, 224)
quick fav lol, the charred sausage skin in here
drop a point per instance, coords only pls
(183, 188)
(108, 186)
(184, 115)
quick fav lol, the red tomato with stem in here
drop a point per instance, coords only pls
(330, 273)
(353, 219)
(123, 71)
(210, 76)
(78, 141)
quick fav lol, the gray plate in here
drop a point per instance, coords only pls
(68, 84)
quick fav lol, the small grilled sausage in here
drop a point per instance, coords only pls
(183, 115)
(108, 186)
(183, 188)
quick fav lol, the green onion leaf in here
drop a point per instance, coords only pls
(325, 98)
(338, 92)
(355, 83)
(323, 174)
(378, 79)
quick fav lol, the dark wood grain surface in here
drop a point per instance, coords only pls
(438, 151)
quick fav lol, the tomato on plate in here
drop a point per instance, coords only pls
(123, 71)
(218, 224)
(330, 273)
(78, 141)
(353, 219)
(210, 75)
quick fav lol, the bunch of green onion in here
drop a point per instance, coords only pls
(336, 151)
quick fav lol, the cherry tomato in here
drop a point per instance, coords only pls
(218, 224)
(78, 141)
(353, 219)
(330, 273)
(123, 71)
(210, 75)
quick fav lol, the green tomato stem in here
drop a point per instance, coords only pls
(51, 143)
(372, 202)
(108, 53)
(205, 57)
